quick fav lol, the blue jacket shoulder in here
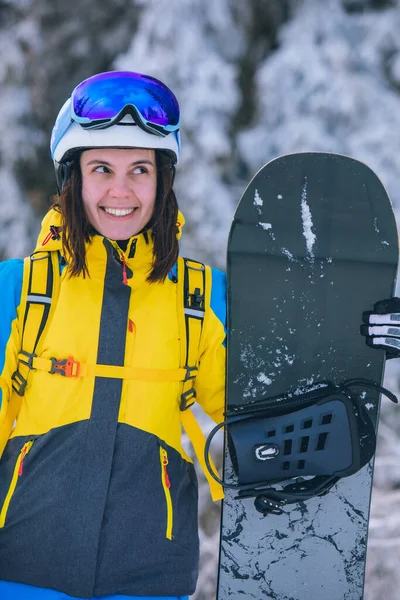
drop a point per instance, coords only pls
(218, 295)
(11, 273)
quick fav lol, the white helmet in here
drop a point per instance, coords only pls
(128, 128)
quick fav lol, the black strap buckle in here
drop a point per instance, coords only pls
(191, 373)
(187, 396)
(196, 299)
(30, 356)
(19, 383)
(190, 394)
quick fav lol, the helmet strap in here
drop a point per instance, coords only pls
(173, 169)
(63, 174)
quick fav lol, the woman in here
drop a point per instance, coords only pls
(97, 496)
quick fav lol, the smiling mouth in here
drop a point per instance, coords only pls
(119, 212)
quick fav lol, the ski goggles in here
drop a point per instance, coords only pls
(104, 99)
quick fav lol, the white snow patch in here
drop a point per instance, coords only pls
(279, 196)
(286, 252)
(289, 359)
(369, 406)
(266, 226)
(307, 221)
(258, 201)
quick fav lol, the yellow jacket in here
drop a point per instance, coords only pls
(94, 477)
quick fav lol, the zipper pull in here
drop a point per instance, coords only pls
(165, 462)
(124, 277)
(21, 464)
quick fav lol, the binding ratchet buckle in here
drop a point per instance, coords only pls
(67, 367)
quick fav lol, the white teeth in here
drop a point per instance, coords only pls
(119, 212)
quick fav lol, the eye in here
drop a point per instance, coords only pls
(140, 170)
(101, 169)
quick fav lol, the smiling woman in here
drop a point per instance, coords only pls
(97, 496)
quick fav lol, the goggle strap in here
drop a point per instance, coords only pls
(129, 109)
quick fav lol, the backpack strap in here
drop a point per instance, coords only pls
(41, 285)
(191, 279)
(194, 281)
(39, 293)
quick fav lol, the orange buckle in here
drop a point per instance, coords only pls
(67, 367)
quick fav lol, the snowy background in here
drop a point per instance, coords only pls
(255, 79)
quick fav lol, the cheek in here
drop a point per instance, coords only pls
(90, 194)
(90, 200)
(86, 190)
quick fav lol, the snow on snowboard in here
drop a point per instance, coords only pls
(313, 244)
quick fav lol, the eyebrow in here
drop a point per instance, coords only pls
(136, 162)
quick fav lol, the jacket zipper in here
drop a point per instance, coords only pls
(18, 471)
(124, 277)
(131, 251)
(167, 491)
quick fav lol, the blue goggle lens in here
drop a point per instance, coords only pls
(100, 100)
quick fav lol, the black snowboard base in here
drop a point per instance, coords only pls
(313, 244)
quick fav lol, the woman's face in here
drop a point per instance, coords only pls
(119, 189)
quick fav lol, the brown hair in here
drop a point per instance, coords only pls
(77, 230)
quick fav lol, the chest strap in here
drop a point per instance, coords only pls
(69, 367)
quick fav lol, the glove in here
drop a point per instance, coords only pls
(382, 329)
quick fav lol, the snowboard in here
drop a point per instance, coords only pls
(312, 245)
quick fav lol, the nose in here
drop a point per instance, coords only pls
(119, 187)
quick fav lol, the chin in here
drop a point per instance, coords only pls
(118, 233)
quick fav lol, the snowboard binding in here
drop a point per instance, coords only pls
(313, 436)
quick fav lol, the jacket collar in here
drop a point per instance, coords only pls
(139, 248)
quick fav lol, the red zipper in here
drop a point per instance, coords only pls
(21, 464)
(124, 277)
(167, 481)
